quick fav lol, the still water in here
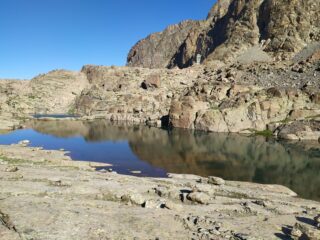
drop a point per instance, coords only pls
(156, 152)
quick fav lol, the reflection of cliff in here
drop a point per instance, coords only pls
(231, 156)
(235, 157)
(59, 128)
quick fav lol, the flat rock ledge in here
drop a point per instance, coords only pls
(46, 195)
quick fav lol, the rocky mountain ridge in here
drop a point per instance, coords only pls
(282, 28)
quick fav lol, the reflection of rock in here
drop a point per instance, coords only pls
(231, 156)
(59, 128)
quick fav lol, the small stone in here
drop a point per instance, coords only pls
(152, 81)
(153, 204)
(161, 191)
(199, 197)
(214, 232)
(174, 194)
(296, 232)
(173, 206)
(55, 182)
(136, 172)
(243, 236)
(24, 142)
(11, 169)
(216, 180)
(137, 198)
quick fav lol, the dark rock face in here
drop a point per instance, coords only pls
(157, 50)
(280, 27)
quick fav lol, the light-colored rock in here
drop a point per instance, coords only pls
(12, 169)
(199, 197)
(173, 206)
(216, 180)
(24, 142)
(152, 203)
(183, 113)
(211, 121)
(137, 198)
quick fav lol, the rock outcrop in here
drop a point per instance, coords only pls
(157, 50)
(280, 28)
(50, 93)
(131, 94)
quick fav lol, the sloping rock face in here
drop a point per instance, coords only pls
(280, 28)
(242, 108)
(54, 92)
(157, 50)
(132, 94)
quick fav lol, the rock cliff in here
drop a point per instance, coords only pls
(280, 28)
(157, 50)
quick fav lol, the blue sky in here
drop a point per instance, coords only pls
(37, 36)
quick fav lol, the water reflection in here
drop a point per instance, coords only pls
(230, 156)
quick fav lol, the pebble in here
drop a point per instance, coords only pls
(173, 206)
(216, 180)
(11, 169)
(136, 172)
(153, 204)
(24, 142)
(199, 197)
(55, 182)
(161, 191)
(137, 198)
(296, 232)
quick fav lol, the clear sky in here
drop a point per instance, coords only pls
(37, 36)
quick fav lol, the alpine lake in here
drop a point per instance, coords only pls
(152, 152)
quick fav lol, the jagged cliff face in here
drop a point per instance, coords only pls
(157, 50)
(234, 26)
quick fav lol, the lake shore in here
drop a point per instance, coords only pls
(45, 195)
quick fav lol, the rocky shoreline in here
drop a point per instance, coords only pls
(235, 71)
(192, 98)
(45, 195)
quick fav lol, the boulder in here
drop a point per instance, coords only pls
(183, 112)
(212, 121)
(152, 81)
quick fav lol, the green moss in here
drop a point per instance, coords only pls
(21, 162)
(266, 133)
(13, 161)
(213, 106)
(31, 96)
